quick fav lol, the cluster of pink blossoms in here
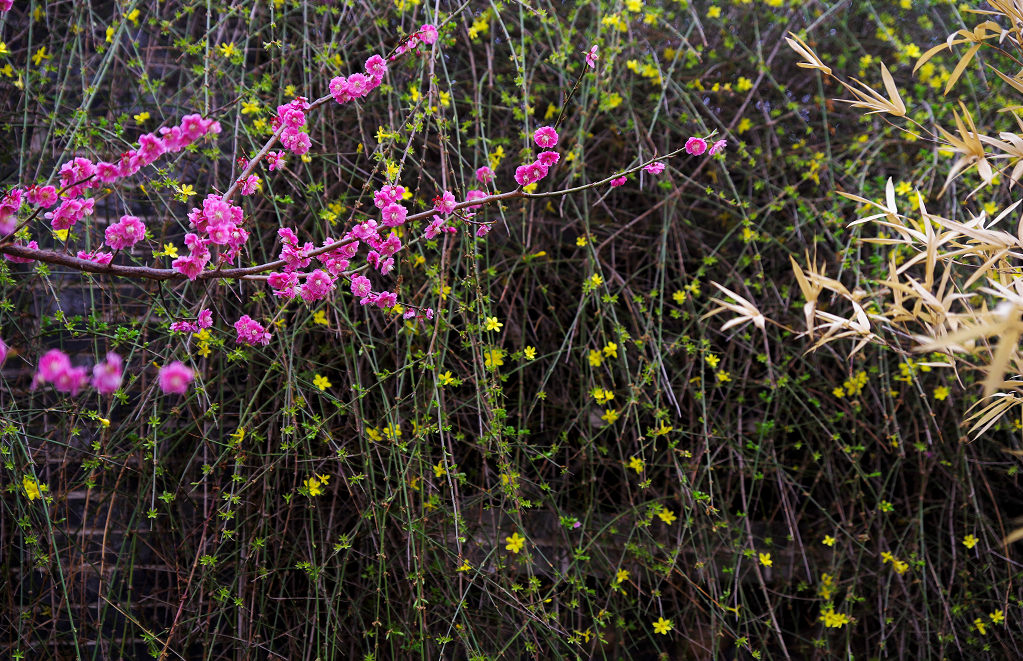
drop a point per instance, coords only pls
(545, 137)
(204, 320)
(125, 233)
(80, 175)
(55, 367)
(5, 5)
(218, 223)
(251, 332)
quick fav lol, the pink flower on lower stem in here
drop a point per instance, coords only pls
(317, 285)
(52, 364)
(5, 5)
(444, 203)
(484, 175)
(125, 233)
(250, 331)
(284, 285)
(655, 168)
(548, 158)
(618, 181)
(175, 378)
(718, 147)
(545, 137)
(43, 196)
(3, 351)
(696, 146)
(275, 160)
(428, 34)
(106, 376)
(250, 184)
(591, 57)
(71, 380)
(393, 214)
(376, 66)
(361, 286)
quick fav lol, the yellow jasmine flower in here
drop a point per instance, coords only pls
(134, 16)
(493, 358)
(637, 464)
(445, 379)
(40, 55)
(492, 324)
(833, 619)
(621, 576)
(980, 626)
(185, 191)
(515, 542)
(3, 48)
(229, 51)
(663, 626)
(602, 396)
(439, 470)
(610, 415)
(940, 393)
(33, 488)
(970, 541)
(465, 566)
(997, 617)
(611, 350)
(321, 382)
(828, 540)
(714, 12)
(529, 353)
(320, 317)
(249, 107)
(595, 358)
(314, 484)
(141, 117)
(667, 516)
(765, 559)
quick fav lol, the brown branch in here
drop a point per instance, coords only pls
(253, 272)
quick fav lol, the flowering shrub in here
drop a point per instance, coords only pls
(406, 359)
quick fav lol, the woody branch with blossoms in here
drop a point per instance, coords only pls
(221, 230)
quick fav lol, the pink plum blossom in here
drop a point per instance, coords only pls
(175, 378)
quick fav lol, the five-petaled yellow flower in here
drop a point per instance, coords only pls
(315, 484)
(663, 626)
(636, 464)
(529, 353)
(445, 379)
(828, 540)
(321, 382)
(228, 50)
(622, 576)
(667, 516)
(515, 542)
(141, 117)
(492, 324)
(33, 489)
(765, 559)
(40, 55)
(970, 541)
